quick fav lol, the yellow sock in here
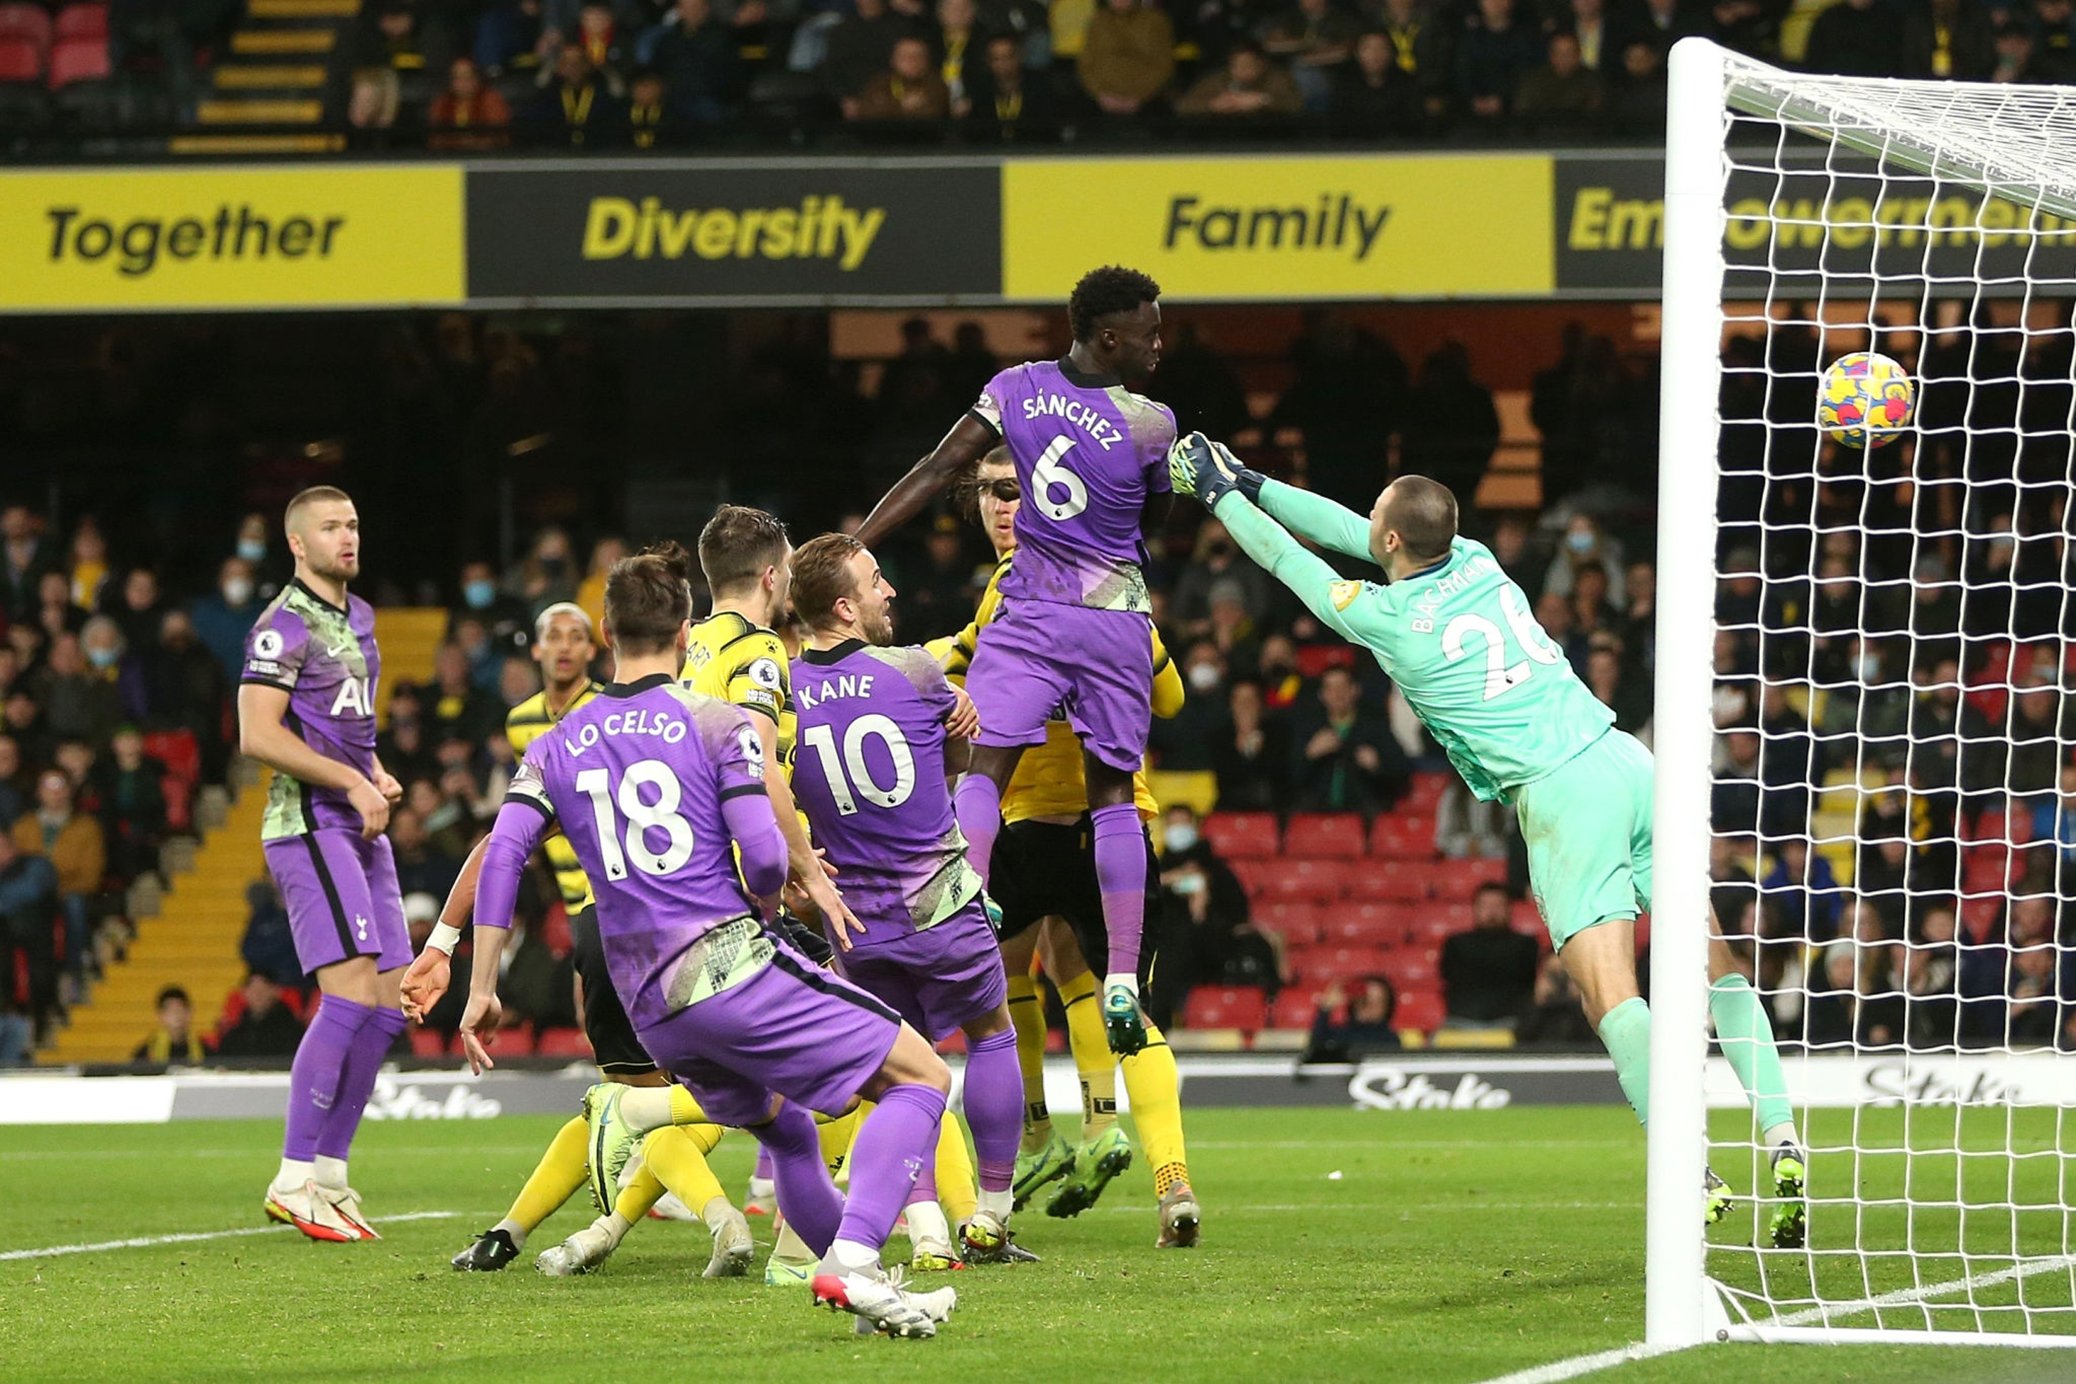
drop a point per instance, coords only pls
(957, 1192)
(1093, 1060)
(684, 1108)
(554, 1180)
(836, 1133)
(1156, 1092)
(673, 1158)
(1027, 1012)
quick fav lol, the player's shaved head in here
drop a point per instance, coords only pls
(648, 599)
(1423, 514)
(738, 546)
(305, 499)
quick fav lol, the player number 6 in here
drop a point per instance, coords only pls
(1050, 472)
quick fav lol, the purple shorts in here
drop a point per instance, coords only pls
(792, 1029)
(1039, 660)
(938, 980)
(342, 898)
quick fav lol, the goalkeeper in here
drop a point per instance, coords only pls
(1456, 636)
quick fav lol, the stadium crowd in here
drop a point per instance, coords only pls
(1905, 710)
(474, 74)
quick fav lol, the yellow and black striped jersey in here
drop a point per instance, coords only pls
(1049, 781)
(745, 664)
(524, 724)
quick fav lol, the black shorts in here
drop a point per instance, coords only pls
(805, 937)
(613, 1044)
(1048, 869)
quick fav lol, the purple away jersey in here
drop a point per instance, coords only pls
(868, 770)
(325, 658)
(1088, 452)
(636, 777)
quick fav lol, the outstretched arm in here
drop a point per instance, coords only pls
(1315, 519)
(969, 440)
(1323, 590)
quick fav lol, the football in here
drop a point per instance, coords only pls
(1866, 400)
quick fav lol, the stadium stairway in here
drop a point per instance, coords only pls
(283, 64)
(193, 939)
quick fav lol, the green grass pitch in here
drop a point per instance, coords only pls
(1338, 1245)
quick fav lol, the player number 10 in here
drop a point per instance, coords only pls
(1051, 472)
(642, 818)
(822, 740)
(1500, 677)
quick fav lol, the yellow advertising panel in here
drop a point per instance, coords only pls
(231, 237)
(1237, 228)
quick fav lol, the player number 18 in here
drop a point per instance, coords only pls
(642, 818)
(1500, 676)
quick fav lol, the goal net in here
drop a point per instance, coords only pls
(1876, 722)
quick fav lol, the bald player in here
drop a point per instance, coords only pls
(306, 709)
(1521, 727)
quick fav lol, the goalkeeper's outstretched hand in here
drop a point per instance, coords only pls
(1208, 470)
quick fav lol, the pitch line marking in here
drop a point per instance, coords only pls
(195, 1236)
(1902, 1297)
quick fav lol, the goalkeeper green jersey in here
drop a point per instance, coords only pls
(1457, 638)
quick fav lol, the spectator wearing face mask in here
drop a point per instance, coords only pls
(91, 684)
(1585, 545)
(270, 569)
(1185, 742)
(1211, 937)
(224, 617)
(502, 616)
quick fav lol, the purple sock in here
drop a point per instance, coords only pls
(925, 1188)
(357, 1080)
(1121, 876)
(806, 1196)
(977, 803)
(995, 1107)
(313, 1082)
(896, 1139)
(763, 1168)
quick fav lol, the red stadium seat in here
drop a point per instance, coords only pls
(1459, 879)
(562, 1042)
(1412, 970)
(1294, 1008)
(1332, 834)
(1254, 875)
(21, 59)
(954, 1046)
(1406, 881)
(1297, 923)
(78, 60)
(1226, 1006)
(1242, 835)
(1427, 790)
(1314, 659)
(1324, 965)
(29, 22)
(1526, 918)
(1402, 836)
(427, 1043)
(1419, 1009)
(1319, 881)
(1372, 926)
(82, 22)
(1979, 916)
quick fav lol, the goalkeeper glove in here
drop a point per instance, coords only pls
(1209, 471)
(1123, 1024)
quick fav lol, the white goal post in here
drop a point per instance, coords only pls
(1807, 217)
